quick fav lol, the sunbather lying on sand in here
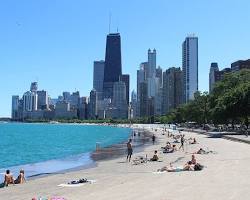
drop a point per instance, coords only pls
(168, 146)
(193, 141)
(139, 160)
(170, 149)
(187, 167)
(202, 151)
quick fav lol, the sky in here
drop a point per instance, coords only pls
(55, 42)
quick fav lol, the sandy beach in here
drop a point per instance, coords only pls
(226, 176)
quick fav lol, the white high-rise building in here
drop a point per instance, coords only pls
(30, 100)
(190, 67)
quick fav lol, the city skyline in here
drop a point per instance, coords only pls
(24, 62)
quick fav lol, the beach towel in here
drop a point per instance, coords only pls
(159, 172)
(48, 198)
(76, 184)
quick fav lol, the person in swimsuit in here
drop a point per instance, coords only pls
(182, 142)
(20, 179)
(186, 167)
(8, 178)
(153, 138)
(129, 149)
(155, 157)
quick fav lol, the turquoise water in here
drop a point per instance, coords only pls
(25, 144)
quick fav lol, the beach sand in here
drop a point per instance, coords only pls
(226, 176)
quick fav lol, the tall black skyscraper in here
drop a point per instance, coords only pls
(113, 64)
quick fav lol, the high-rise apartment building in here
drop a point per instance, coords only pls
(33, 86)
(172, 89)
(151, 63)
(143, 102)
(141, 78)
(98, 77)
(158, 74)
(30, 101)
(190, 67)
(133, 104)
(92, 104)
(42, 101)
(125, 79)
(212, 79)
(113, 64)
(120, 106)
(66, 96)
(240, 64)
(14, 108)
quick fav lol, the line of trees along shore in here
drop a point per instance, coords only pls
(228, 103)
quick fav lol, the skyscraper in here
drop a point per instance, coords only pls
(92, 104)
(98, 76)
(151, 63)
(120, 106)
(172, 89)
(125, 79)
(213, 69)
(190, 67)
(14, 108)
(42, 101)
(141, 78)
(133, 104)
(30, 101)
(113, 64)
(143, 103)
(240, 64)
(158, 74)
(33, 87)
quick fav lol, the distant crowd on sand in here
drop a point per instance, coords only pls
(9, 179)
(191, 165)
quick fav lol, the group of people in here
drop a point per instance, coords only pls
(9, 179)
(169, 148)
(130, 149)
(191, 165)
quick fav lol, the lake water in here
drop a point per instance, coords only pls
(47, 148)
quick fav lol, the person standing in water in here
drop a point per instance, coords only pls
(129, 149)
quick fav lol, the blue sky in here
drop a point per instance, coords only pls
(55, 42)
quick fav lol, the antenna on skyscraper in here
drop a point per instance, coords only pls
(109, 20)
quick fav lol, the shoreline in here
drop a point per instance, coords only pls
(110, 152)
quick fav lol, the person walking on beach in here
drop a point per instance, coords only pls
(182, 142)
(153, 138)
(129, 149)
